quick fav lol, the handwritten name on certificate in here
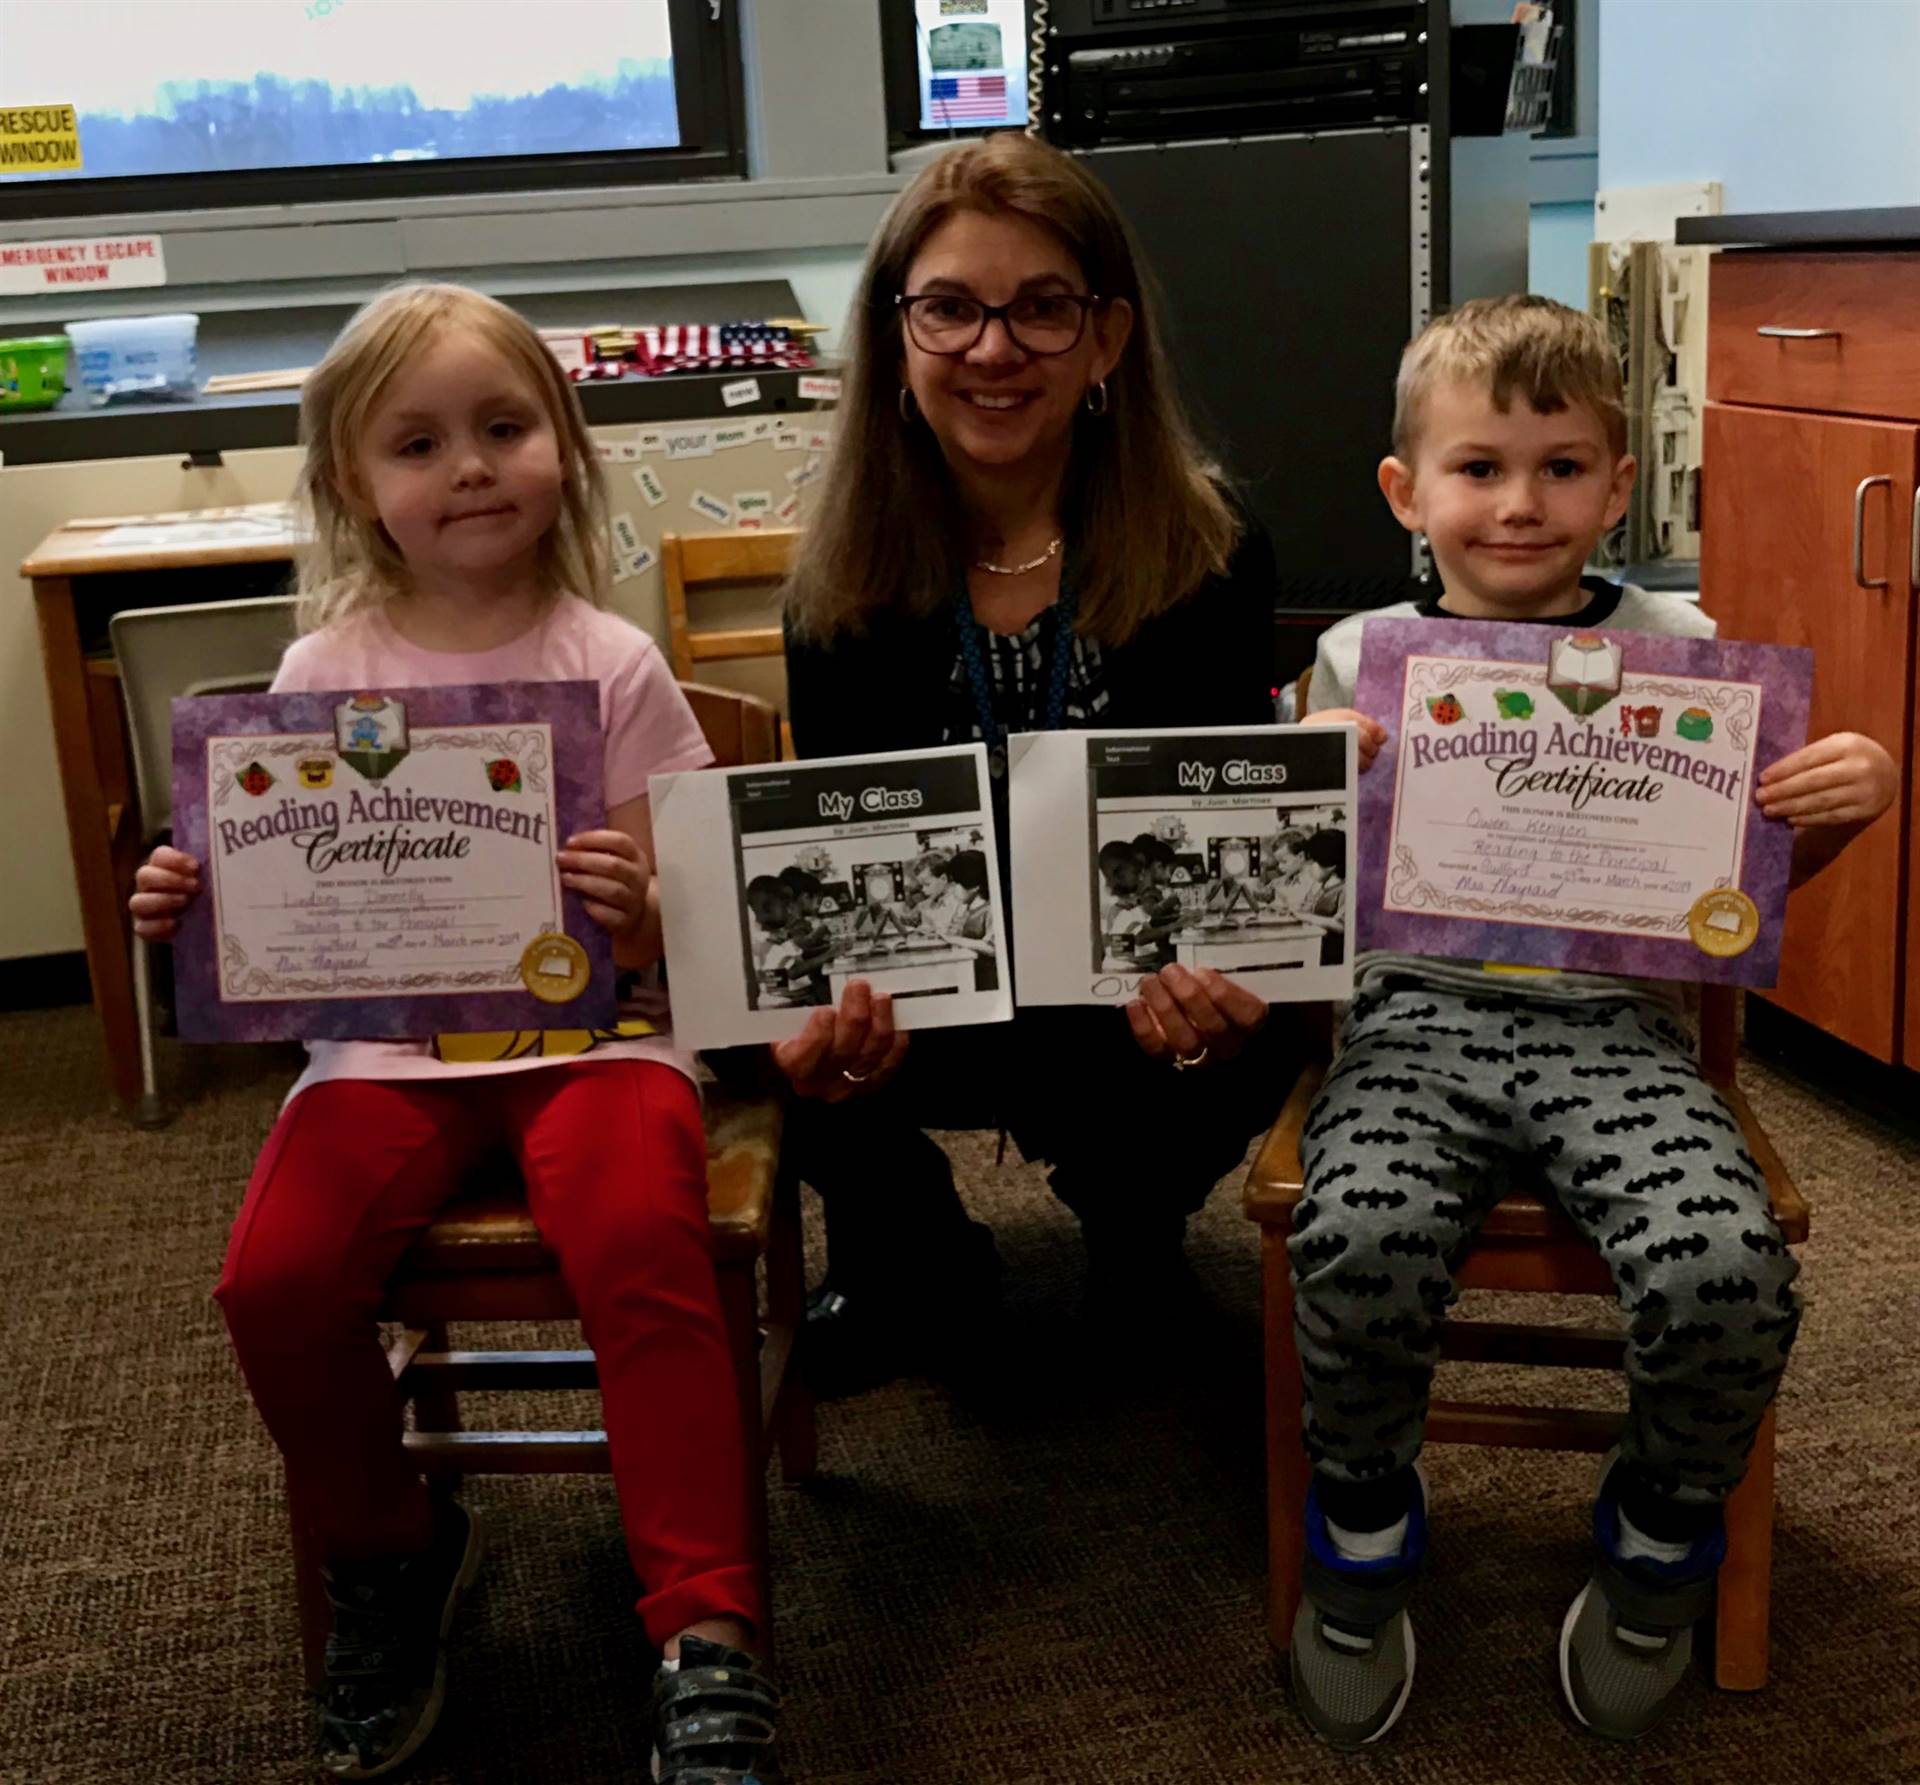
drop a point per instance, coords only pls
(381, 862)
(1577, 799)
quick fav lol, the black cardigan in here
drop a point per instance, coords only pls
(1208, 660)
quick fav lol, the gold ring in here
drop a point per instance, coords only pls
(856, 1078)
(1187, 1062)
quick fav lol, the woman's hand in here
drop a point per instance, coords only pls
(1181, 1014)
(1372, 733)
(611, 875)
(164, 885)
(845, 1051)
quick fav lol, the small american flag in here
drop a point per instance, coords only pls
(963, 98)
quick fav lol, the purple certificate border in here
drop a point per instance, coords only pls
(1785, 676)
(572, 709)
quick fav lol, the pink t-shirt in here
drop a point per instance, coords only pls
(649, 730)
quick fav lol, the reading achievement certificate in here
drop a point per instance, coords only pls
(1580, 800)
(381, 862)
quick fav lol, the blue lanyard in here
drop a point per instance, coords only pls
(1056, 658)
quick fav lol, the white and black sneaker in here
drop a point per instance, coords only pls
(714, 1717)
(1353, 1651)
(386, 1669)
(1627, 1639)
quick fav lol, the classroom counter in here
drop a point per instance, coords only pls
(263, 340)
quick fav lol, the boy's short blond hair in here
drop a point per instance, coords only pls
(1553, 357)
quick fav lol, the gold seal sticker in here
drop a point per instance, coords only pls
(1723, 922)
(554, 968)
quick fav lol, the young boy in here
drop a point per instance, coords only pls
(1510, 456)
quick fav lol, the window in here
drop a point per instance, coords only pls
(183, 103)
(953, 66)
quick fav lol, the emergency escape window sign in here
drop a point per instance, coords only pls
(96, 263)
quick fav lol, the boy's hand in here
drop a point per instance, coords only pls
(1372, 733)
(610, 874)
(1181, 1014)
(164, 885)
(1841, 779)
(843, 1052)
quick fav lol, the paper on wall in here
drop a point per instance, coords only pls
(688, 443)
(650, 485)
(711, 506)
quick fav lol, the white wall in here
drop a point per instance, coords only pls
(1557, 241)
(1791, 104)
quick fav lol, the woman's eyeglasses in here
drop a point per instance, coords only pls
(1042, 323)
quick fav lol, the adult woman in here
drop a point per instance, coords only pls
(1018, 532)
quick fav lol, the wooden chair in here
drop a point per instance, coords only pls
(483, 1259)
(693, 560)
(1525, 1244)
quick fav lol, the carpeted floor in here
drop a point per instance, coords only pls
(1057, 1580)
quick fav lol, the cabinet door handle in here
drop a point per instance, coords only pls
(1913, 550)
(1860, 533)
(1774, 333)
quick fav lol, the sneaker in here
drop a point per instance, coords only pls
(1353, 1649)
(386, 1673)
(1628, 1636)
(714, 1713)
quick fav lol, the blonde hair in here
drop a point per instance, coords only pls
(352, 562)
(1531, 347)
(1145, 512)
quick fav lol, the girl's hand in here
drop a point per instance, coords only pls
(1181, 1014)
(608, 871)
(1841, 779)
(842, 1052)
(165, 884)
(1372, 733)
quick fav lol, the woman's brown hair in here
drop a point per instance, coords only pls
(1146, 517)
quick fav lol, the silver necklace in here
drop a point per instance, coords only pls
(993, 569)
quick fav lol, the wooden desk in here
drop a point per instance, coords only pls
(91, 565)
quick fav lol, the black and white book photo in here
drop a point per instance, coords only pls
(782, 883)
(1224, 848)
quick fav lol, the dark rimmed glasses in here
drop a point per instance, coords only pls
(1044, 323)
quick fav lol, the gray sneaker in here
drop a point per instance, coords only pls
(1628, 1636)
(1353, 1651)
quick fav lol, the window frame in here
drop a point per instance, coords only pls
(709, 92)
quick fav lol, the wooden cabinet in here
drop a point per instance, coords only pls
(1808, 538)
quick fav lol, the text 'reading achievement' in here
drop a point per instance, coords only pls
(381, 862)
(1580, 800)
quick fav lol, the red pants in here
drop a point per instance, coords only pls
(614, 1158)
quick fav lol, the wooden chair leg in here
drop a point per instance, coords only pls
(437, 1410)
(1746, 1577)
(795, 1432)
(309, 1596)
(739, 1303)
(1287, 1469)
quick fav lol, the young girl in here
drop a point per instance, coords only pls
(458, 537)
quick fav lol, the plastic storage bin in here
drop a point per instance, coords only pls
(33, 372)
(136, 356)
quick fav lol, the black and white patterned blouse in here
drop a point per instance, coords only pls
(1020, 666)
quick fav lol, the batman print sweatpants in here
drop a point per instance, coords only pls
(1439, 1102)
